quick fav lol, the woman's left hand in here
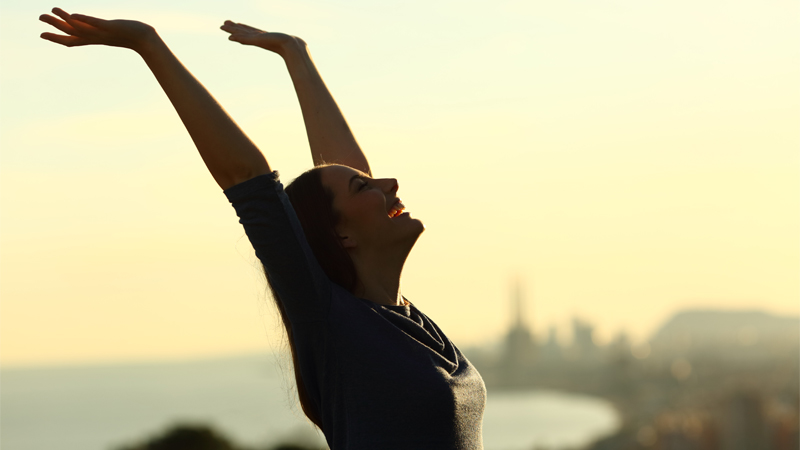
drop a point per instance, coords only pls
(87, 30)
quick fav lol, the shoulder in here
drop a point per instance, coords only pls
(245, 189)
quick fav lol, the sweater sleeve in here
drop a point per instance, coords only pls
(280, 244)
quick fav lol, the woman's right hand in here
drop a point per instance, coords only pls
(279, 43)
(87, 30)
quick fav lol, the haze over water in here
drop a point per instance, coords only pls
(104, 407)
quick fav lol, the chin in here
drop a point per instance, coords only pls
(420, 226)
(412, 229)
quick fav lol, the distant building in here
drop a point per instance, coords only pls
(550, 351)
(520, 347)
(742, 422)
(619, 349)
(583, 346)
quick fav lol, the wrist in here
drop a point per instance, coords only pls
(293, 48)
(148, 43)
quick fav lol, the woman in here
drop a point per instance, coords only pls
(372, 371)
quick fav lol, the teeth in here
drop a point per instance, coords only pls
(395, 212)
(397, 209)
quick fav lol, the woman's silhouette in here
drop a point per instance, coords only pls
(372, 371)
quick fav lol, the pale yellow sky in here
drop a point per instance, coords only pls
(626, 159)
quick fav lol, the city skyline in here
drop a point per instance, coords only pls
(707, 380)
(522, 310)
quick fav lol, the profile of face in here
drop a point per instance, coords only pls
(372, 220)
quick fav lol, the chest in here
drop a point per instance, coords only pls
(399, 360)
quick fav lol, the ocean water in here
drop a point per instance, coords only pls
(246, 398)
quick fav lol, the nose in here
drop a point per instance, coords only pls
(390, 185)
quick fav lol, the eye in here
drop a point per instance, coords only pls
(363, 185)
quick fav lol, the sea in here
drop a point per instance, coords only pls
(248, 399)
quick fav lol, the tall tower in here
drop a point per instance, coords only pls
(517, 299)
(518, 323)
(519, 345)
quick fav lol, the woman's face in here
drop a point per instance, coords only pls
(371, 214)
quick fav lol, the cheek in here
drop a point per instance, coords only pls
(365, 212)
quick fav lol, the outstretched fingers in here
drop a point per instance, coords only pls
(57, 24)
(93, 21)
(69, 41)
(272, 41)
(244, 34)
(76, 30)
(73, 20)
(233, 27)
(87, 30)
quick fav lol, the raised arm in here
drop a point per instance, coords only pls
(329, 136)
(227, 152)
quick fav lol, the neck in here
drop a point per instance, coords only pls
(379, 278)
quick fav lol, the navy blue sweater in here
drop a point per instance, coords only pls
(382, 377)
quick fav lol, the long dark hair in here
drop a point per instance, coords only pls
(313, 204)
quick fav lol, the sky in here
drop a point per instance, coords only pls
(623, 159)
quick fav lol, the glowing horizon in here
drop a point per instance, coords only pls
(626, 160)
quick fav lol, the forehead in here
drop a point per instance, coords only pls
(337, 178)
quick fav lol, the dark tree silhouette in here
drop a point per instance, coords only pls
(186, 437)
(198, 437)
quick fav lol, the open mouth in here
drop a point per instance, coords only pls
(397, 209)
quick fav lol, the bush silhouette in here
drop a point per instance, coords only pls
(186, 437)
